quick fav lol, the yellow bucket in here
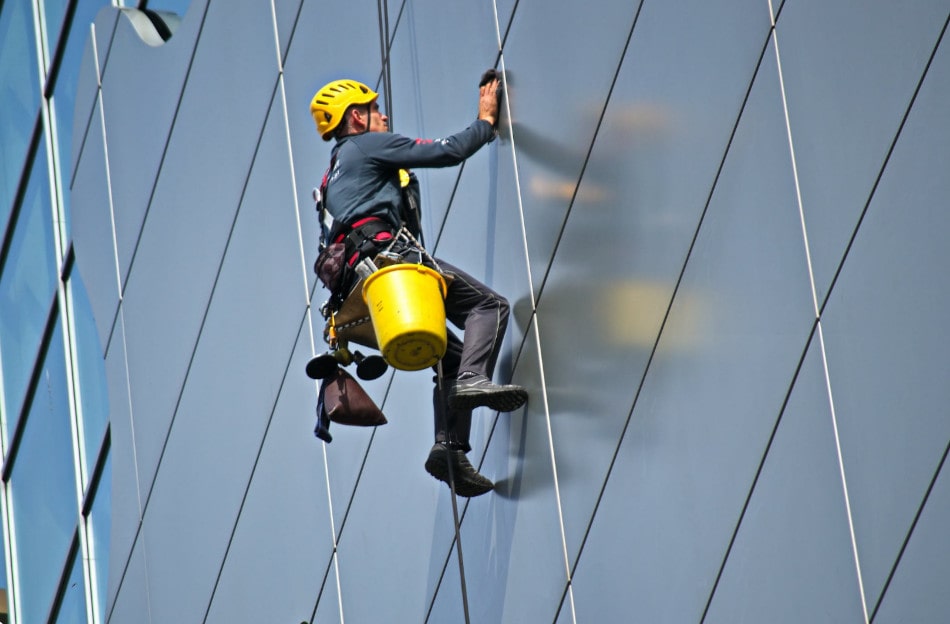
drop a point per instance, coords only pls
(407, 306)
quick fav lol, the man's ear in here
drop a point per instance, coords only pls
(357, 119)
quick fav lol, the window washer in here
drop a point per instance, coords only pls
(364, 192)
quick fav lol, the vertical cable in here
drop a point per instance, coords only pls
(382, 7)
(455, 509)
(385, 44)
(307, 298)
(458, 546)
(387, 65)
(821, 338)
(536, 330)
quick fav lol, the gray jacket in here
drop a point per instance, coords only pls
(363, 180)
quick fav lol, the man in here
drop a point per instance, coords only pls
(366, 194)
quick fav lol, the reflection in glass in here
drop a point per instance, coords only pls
(27, 287)
(42, 484)
(101, 519)
(20, 98)
(93, 394)
(72, 608)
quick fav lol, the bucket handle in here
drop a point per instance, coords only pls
(404, 232)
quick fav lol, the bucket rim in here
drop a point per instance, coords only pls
(405, 266)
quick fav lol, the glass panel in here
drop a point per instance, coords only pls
(91, 366)
(72, 609)
(26, 289)
(130, 79)
(393, 479)
(547, 64)
(918, 591)
(511, 538)
(19, 99)
(132, 603)
(54, 11)
(849, 70)
(886, 337)
(100, 517)
(298, 505)
(125, 503)
(796, 514)
(64, 95)
(192, 211)
(449, 604)
(192, 511)
(287, 12)
(178, 7)
(43, 488)
(739, 322)
(434, 93)
(91, 235)
(328, 607)
(646, 182)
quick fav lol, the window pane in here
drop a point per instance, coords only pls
(27, 286)
(101, 519)
(43, 488)
(72, 609)
(54, 9)
(19, 99)
(178, 7)
(93, 394)
(64, 92)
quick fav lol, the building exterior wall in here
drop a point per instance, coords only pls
(721, 229)
(54, 436)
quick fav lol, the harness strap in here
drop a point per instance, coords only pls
(364, 237)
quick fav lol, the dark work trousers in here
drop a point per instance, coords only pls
(483, 315)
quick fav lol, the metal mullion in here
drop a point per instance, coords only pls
(88, 536)
(76, 425)
(74, 387)
(7, 526)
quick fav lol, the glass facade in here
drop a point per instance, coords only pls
(56, 481)
(720, 227)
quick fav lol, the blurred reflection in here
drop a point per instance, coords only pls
(602, 283)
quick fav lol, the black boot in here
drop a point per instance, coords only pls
(472, 390)
(448, 464)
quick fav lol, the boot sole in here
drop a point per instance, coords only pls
(500, 401)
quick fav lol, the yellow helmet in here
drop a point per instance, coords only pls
(330, 102)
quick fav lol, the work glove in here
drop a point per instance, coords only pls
(488, 76)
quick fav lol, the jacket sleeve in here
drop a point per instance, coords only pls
(394, 150)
